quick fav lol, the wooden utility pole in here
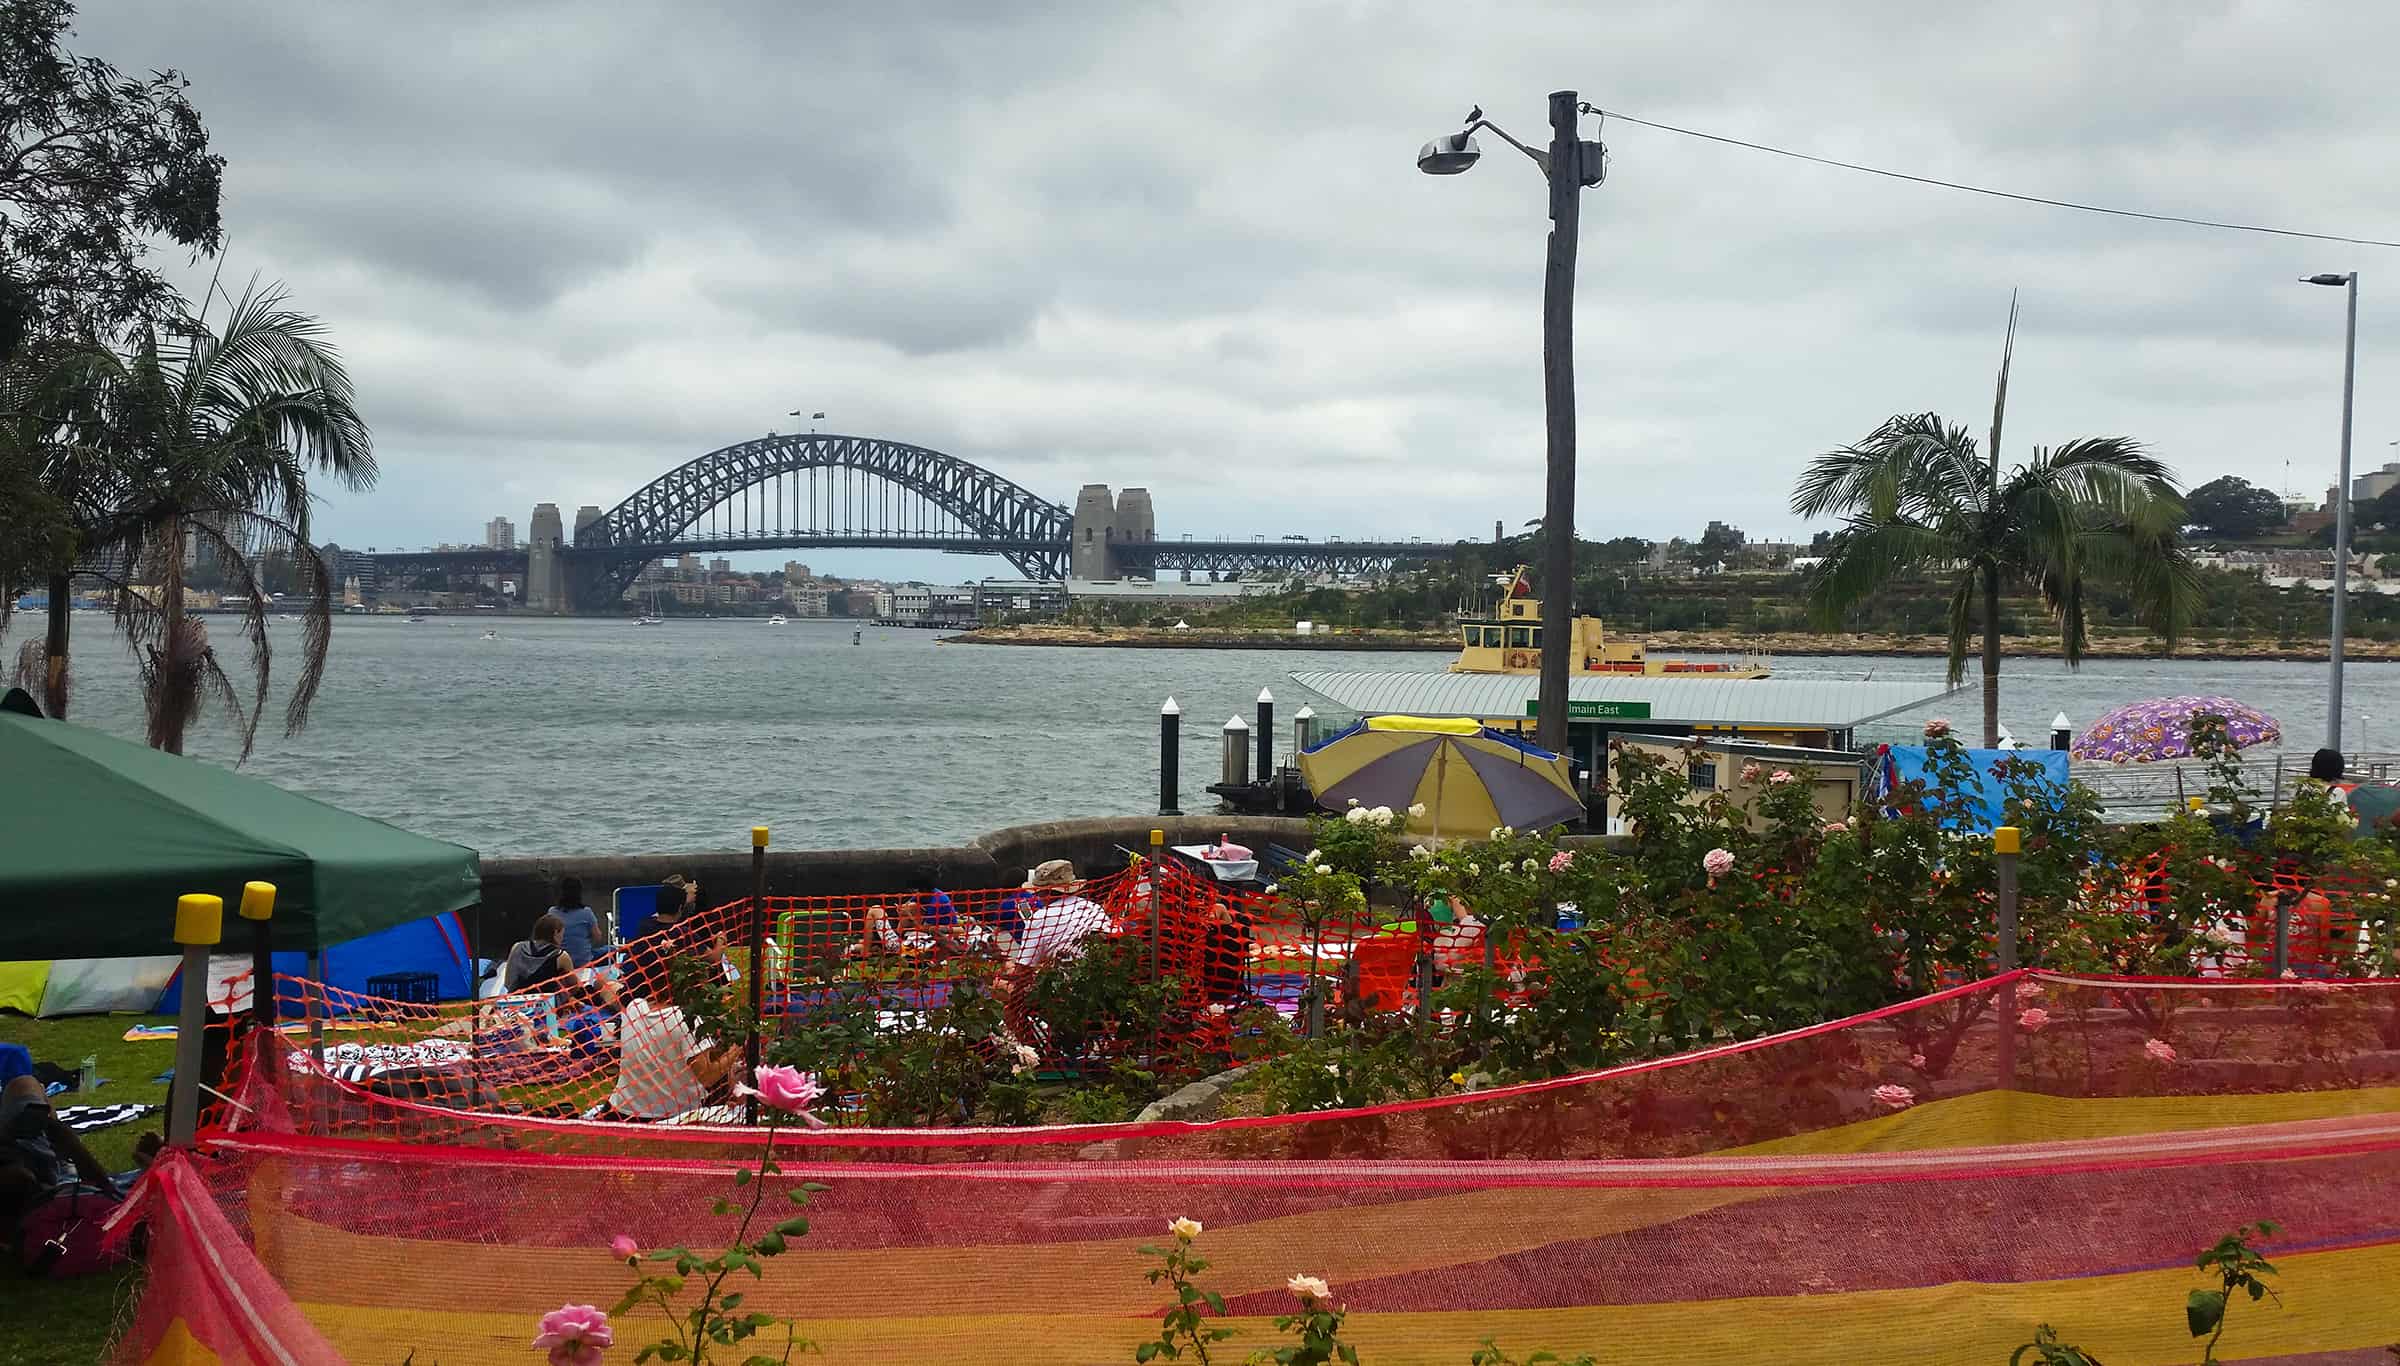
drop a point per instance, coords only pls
(1558, 401)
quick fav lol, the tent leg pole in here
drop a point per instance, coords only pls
(183, 1098)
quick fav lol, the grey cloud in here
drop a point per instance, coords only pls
(568, 246)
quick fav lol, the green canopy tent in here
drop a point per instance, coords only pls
(98, 836)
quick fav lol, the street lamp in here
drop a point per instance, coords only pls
(1571, 165)
(2341, 511)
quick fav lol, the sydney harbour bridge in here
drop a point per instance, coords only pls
(823, 489)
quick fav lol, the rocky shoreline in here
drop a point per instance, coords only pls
(1663, 642)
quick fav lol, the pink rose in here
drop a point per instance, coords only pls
(1895, 1097)
(1310, 1289)
(785, 1088)
(2317, 986)
(2033, 1019)
(1562, 860)
(1750, 772)
(2290, 976)
(1718, 862)
(1936, 728)
(575, 1335)
(624, 1248)
(1836, 827)
(1780, 776)
(2159, 1050)
(2029, 990)
(1917, 1061)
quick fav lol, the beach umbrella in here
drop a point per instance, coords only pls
(2161, 728)
(1468, 777)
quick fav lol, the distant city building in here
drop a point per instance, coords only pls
(687, 568)
(500, 534)
(2374, 483)
(720, 566)
(796, 572)
(918, 604)
(807, 598)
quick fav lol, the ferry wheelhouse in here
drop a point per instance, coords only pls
(1511, 643)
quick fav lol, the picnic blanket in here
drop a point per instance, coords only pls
(83, 1119)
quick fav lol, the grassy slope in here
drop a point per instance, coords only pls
(69, 1322)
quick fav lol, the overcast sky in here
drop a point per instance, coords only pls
(567, 247)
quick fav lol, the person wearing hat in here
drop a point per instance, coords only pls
(1057, 927)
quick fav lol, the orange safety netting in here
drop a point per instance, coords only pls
(868, 967)
(1920, 1184)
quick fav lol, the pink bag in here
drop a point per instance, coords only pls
(61, 1236)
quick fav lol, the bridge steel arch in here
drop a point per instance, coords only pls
(994, 508)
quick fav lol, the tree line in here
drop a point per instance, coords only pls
(146, 437)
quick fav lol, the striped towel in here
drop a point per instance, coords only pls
(83, 1119)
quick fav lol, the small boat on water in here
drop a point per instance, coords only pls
(491, 635)
(776, 620)
(1510, 642)
(855, 633)
(645, 619)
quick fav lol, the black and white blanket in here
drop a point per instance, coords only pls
(83, 1119)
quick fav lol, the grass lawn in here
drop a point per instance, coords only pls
(69, 1323)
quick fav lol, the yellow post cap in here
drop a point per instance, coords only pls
(2196, 803)
(1157, 838)
(2008, 840)
(199, 918)
(258, 900)
(758, 837)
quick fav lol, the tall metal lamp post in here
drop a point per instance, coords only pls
(2341, 512)
(1571, 165)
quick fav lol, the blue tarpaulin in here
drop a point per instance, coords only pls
(1979, 808)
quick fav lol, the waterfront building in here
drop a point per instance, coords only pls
(500, 534)
(807, 599)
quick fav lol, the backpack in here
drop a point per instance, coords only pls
(60, 1235)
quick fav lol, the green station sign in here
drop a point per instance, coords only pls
(1596, 711)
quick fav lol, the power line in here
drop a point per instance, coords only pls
(1985, 190)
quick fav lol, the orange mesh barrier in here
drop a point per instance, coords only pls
(1864, 1191)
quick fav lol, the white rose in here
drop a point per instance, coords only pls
(1475, 870)
(1309, 857)
(1420, 851)
(1356, 814)
(1416, 811)
(1531, 866)
(1354, 801)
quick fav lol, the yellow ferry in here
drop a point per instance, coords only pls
(1511, 643)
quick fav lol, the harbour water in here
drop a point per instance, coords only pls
(597, 736)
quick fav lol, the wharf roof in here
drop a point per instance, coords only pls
(1824, 704)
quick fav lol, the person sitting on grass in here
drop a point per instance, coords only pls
(897, 928)
(1055, 929)
(664, 1066)
(582, 934)
(537, 959)
(41, 1159)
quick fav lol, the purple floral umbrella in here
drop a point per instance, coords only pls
(2161, 728)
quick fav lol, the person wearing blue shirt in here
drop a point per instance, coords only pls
(580, 932)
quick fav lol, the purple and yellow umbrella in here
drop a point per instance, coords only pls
(2161, 728)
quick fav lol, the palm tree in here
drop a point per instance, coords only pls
(1920, 501)
(202, 442)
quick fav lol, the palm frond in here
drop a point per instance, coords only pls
(1962, 624)
(1865, 557)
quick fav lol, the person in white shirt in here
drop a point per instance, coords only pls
(664, 1067)
(1065, 919)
